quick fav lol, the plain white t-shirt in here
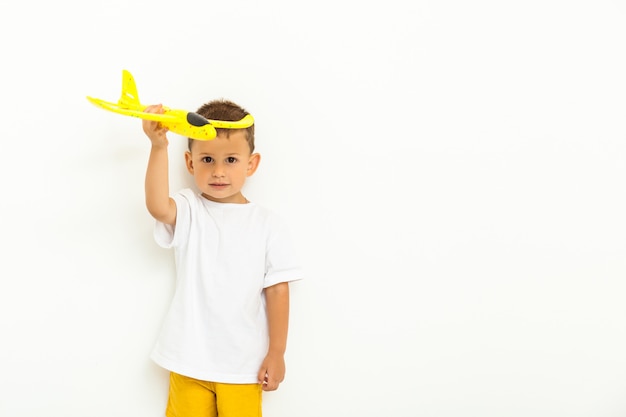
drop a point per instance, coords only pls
(226, 254)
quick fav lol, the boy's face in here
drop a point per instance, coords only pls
(220, 166)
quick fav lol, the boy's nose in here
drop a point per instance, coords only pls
(218, 171)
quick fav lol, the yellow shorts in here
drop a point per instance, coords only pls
(190, 397)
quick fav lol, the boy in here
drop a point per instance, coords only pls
(224, 337)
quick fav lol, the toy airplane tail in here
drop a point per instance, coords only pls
(128, 103)
(130, 97)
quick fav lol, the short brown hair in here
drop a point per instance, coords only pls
(226, 110)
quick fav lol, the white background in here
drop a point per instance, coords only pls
(453, 173)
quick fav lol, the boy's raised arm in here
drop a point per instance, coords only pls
(158, 201)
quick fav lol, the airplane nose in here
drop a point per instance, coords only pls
(195, 119)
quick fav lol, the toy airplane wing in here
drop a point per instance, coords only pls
(121, 109)
(182, 122)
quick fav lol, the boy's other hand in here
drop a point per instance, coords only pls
(272, 372)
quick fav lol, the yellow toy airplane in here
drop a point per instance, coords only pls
(182, 122)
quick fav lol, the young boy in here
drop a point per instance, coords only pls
(224, 337)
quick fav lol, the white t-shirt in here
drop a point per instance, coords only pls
(226, 254)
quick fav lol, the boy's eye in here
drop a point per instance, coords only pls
(231, 159)
(207, 159)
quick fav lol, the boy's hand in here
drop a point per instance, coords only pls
(153, 129)
(272, 372)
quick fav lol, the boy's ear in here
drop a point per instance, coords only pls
(189, 162)
(253, 163)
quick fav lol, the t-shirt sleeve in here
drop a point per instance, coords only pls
(281, 262)
(168, 236)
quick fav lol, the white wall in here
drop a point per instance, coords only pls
(453, 172)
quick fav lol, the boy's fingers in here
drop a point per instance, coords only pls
(262, 376)
(270, 385)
